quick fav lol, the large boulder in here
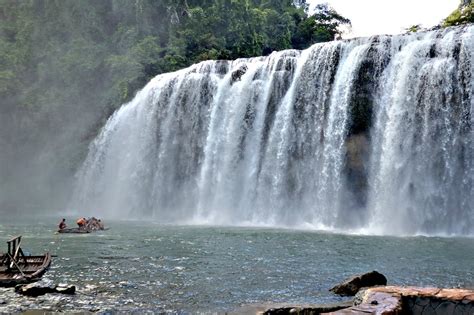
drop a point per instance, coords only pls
(352, 285)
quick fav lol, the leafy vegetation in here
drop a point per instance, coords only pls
(66, 65)
(414, 28)
(462, 15)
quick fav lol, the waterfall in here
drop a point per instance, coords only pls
(422, 163)
(367, 135)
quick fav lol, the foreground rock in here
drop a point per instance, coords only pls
(392, 300)
(352, 285)
(40, 288)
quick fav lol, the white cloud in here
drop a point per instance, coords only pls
(371, 17)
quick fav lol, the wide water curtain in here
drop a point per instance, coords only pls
(371, 135)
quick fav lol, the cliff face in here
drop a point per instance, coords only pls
(465, 3)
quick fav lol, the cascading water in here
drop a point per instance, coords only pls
(369, 135)
(422, 176)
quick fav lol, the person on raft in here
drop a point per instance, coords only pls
(91, 224)
(81, 222)
(62, 225)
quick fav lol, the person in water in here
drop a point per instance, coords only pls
(81, 222)
(62, 224)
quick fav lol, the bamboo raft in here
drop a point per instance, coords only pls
(75, 230)
(17, 268)
(80, 231)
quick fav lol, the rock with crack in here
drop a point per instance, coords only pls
(393, 300)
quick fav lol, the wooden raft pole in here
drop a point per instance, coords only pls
(15, 253)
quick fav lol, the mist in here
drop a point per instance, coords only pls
(65, 75)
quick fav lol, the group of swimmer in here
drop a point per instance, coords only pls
(91, 224)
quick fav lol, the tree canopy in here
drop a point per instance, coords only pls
(125, 43)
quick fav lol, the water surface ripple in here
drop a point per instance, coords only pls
(145, 267)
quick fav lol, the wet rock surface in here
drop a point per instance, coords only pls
(44, 287)
(352, 285)
(375, 303)
(237, 74)
(84, 300)
(306, 309)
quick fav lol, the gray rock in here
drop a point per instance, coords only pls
(308, 309)
(447, 307)
(237, 74)
(352, 285)
(37, 289)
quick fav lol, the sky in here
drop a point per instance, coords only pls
(371, 17)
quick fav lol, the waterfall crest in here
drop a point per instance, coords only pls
(369, 135)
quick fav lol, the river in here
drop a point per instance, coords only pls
(147, 267)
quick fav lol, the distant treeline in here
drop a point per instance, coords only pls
(55, 52)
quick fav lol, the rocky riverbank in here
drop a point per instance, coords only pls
(393, 300)
(373, 296)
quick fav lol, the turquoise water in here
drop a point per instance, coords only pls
(142, 266)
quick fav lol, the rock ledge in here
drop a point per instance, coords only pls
(390, 300)
(395, 300)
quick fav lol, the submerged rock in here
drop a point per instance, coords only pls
(306, 309)
(34, 289)
(39, 288)
(352, 285)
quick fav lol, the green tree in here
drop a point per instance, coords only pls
(324, 25)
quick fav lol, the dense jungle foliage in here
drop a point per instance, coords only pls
(57, 51)
(66, 65)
